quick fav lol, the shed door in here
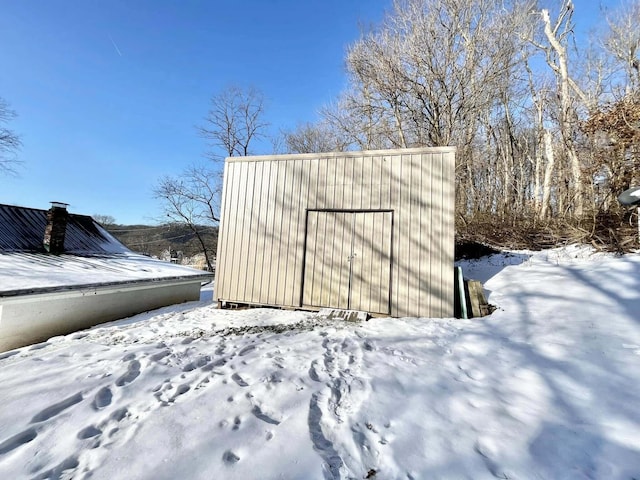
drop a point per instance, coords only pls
(348, 260)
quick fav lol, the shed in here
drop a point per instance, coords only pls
(62, 272)
(368, 230)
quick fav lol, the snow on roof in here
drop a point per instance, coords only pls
(93, 257)
(22, 273)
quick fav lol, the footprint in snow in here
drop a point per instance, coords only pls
(246, 350)
(199, 363)
(64, 469)
(181, 390)
(133, 370)
(230, 458)
(260, 415)
(313, 371)
(56, 408)
(239, 380)
(160, 355)
(102, 398)
(17, 440)
(88, 432)
(236, 423)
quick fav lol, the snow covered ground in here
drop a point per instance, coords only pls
(548, 387)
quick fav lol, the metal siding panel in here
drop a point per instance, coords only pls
(385, 276)
(270, 242)
(314, 191)
(448, 207)
(256, 256)
(394, 201)
(334, 182)
(253, 199)
(220, 283)
(439, 207)
(371, 184)
(318, 263)
(284, 233)
(349, 182)
(234, 227)
(341, 262)
(310, 258)
(341, 184)
(251, 233)
(437, 219)
(404, 261)
(276, 235)
(384, 289)
(231, 252)
(321, 199)
(331, 271)
(361, 257)
(246, 234)
(354, 177)
(331, 241)
(299, 216)
(386, 178)
(424, 271)
(415, 236)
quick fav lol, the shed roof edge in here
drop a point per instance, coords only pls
(350, 153)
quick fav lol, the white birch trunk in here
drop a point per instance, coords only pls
(546, 185)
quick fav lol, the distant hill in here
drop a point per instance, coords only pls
(155, 240)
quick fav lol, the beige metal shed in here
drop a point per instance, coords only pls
(370, 230)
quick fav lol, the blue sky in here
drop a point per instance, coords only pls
(109, 92)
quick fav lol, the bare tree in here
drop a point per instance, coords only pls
(622, 41)
(557, 35)
(192, 199)
(9, 140)
(359, 119)
(104, 220)
(235, 120)
(314, 138)
(443, 72)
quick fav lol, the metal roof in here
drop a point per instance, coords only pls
(92, 257)
(22, 230)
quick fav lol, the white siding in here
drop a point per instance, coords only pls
(268, 202)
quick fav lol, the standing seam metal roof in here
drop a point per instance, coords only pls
(22, 230)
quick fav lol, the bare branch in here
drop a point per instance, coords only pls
(10, 142)
(234, 121)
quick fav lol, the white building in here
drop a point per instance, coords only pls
(61, 272)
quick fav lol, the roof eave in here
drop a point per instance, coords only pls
(202, 278)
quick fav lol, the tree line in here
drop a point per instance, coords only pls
(546, 123)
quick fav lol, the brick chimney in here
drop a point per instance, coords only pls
(55, 230)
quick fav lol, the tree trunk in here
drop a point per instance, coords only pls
(546, 185)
